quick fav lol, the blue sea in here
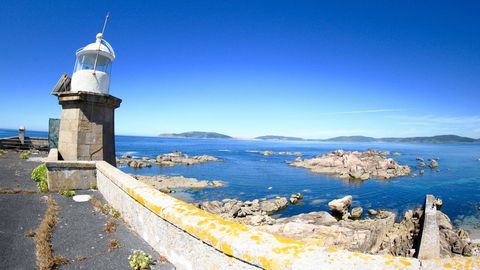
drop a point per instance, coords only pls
(249, 175)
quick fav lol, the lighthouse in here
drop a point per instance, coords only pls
(87, 128)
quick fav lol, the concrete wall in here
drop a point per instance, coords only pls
(430, 238)
(63, 175)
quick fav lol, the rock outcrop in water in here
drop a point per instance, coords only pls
(179, 158)
(271, 153)
(166, 160)
(167, 183)
(354, 165)
(246, 212)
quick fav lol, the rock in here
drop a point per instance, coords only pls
(165, 183)
(323, 229)
(433, 164)
(248, 212)
(273, 205)
(137, 164)
(397, 154)
(438, 203)
(354, 165)
(458, 246)
(399, 240)
(422, 171)
(216, 183)
(294, 198)
(178, 158)
(214, 207)
(372, 212)
(444, 221)
(317, 218)
(340, 205)
(270, 153)
(422, 164)
(419, 159)
(471, 250)
(357, 213)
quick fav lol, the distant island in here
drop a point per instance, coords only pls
(196, 135)
(432, 139)
(439, 139)
(278, 138)
(429, 140)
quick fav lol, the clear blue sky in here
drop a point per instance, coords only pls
(314, 69)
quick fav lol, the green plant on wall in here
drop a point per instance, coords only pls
(39, 175)
(67, 193)
(24, 155)
(93, 186)
(139, 260)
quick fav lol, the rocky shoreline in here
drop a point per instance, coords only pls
(166, 160)
(343, 228)
(354, 165)
(168, 184)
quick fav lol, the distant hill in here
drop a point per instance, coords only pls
(196, 135)
(278, 138)
(433, 139)
(352, 139)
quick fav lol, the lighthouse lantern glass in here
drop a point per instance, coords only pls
(87, 62)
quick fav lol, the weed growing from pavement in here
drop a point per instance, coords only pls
(93, 186)
(113, 244)
(139, 260)
(67, 193)
(39, 175)
(105, 208)
(43, 239)
(24, 155)
(110, 227)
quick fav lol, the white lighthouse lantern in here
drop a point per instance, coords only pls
(93, 67)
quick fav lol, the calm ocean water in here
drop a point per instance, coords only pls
(249, 175)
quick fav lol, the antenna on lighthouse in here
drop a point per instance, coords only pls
(100, 42)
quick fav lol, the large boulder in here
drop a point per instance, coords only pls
(273, 205)
(340, 205)
(356, 213)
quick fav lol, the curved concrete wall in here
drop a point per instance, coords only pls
(194, 239)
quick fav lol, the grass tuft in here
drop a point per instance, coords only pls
(24, 155)
(43, 236)
(67, 193)
(113, 244)
(110, 227)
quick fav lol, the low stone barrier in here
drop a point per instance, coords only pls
(63, 175)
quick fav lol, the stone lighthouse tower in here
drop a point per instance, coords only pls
(87, 120)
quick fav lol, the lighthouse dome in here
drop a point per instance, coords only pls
(101, 45)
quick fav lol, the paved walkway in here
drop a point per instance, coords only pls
(79, 234)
